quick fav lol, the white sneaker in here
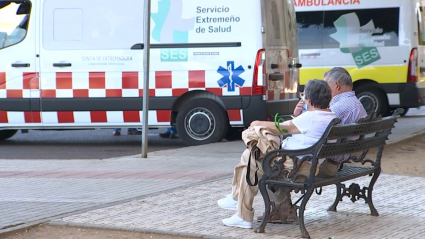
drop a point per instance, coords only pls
(236, 221)
(228, 203)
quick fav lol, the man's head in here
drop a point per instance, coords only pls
(339, 80)
(318, 93)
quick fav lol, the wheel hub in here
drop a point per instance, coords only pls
(369, 102)
(199, 123)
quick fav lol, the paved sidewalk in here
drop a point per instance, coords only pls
(33, 191)
(194, 211)
(175, 191)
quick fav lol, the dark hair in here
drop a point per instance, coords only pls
(318, 93)
(339, 74)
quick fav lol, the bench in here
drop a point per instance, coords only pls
(372, 132)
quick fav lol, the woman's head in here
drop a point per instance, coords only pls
(318, 93)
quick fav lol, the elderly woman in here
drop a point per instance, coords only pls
(305, 129)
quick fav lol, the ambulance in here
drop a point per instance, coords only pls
(380, 42)
(215, 66)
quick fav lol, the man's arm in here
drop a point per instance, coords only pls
(286, 125)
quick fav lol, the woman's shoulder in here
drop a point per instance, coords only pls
(326, 113)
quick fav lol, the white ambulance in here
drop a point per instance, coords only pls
(215, 65)
(380, 42)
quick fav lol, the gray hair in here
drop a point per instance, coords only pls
(318, 93)
(339, 74)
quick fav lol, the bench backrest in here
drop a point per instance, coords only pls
(370, 132)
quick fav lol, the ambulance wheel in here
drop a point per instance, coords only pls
(404, 112)
(373, 99)
(202, 121)
(5, 134)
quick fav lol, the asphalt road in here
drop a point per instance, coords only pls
(95, 144)
(81, 144)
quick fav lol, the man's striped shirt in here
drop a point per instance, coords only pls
(349, 109)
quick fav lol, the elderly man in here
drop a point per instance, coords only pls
(344, 104)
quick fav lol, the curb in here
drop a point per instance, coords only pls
(408, 137)
(94, 226)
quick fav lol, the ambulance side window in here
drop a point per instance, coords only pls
(275, 23)
(310, 29)
(14, 19)
(366, 27)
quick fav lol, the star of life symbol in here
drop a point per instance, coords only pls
(231, 76)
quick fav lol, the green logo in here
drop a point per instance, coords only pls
(356, 39)
(174, 55)
(366, 56)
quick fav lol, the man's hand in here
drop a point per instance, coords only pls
(298, 108)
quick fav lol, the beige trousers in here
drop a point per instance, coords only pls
(328, 169)
(245, 194)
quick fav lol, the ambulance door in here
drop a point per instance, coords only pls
(279, 42)
(18, 77)
(89, 74)
(420, 33)
(310, 40)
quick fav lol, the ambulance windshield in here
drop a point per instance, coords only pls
(14, 17)
(421, 25)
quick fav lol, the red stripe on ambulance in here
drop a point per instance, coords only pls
(66, 117)
(131, 116)
(97, 80)
(64, 80)
(2, 80)
(163, 79)
(3, 117)
(32, 117)
(130, 80)
(196, 79)
(163, 115)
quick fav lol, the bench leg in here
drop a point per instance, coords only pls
(373, 210)
(307, 195)
(338, 197)
(263, 190)
(355, 193)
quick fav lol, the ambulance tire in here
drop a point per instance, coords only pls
(234, 133)
(5, 134)
(373, 99)
(404, 112)
(202, 121)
